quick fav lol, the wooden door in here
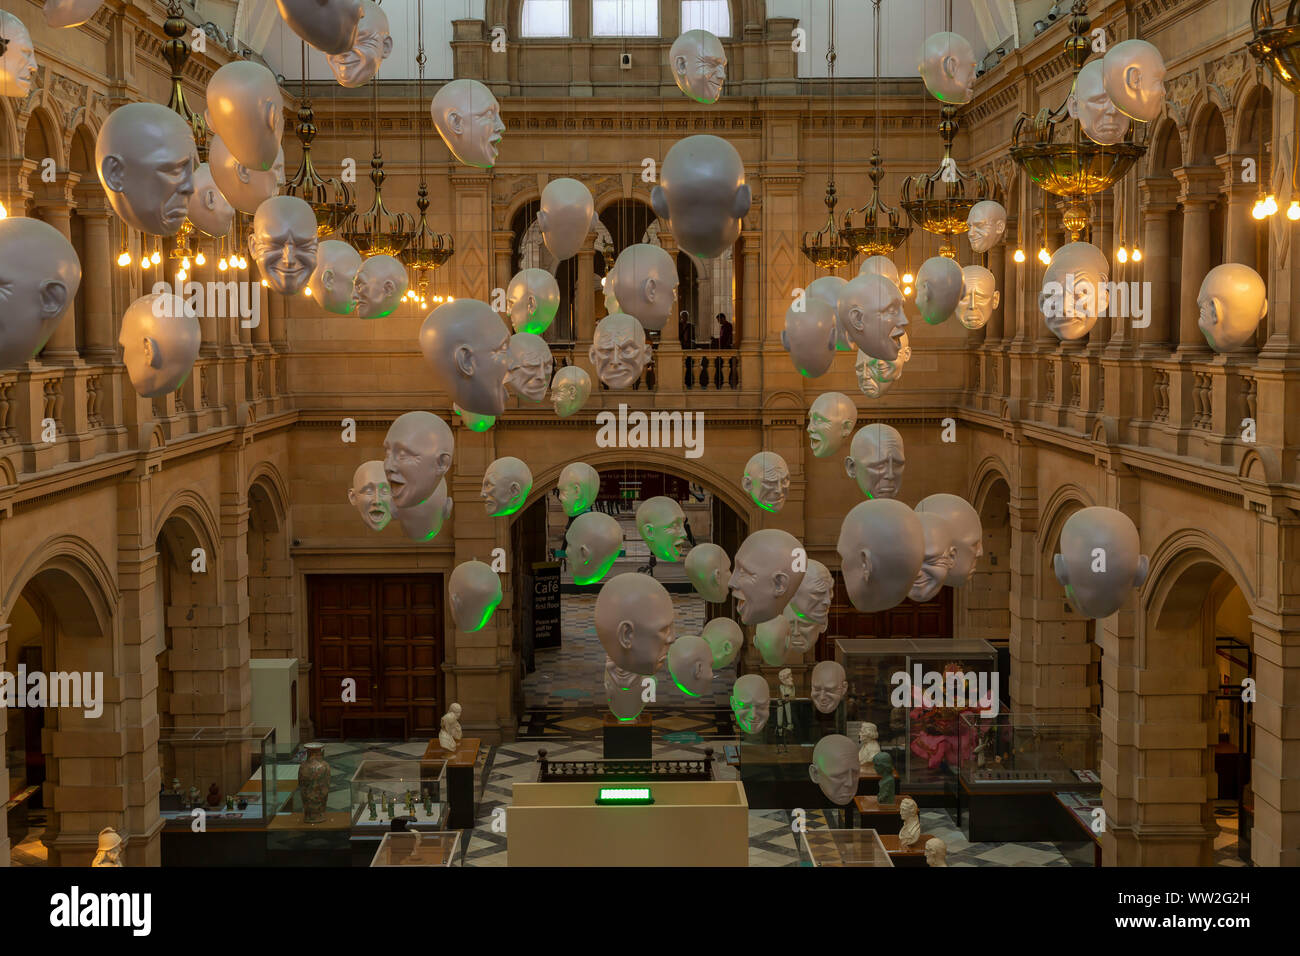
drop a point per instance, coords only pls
(385, 633)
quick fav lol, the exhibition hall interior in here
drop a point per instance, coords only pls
(774, 433)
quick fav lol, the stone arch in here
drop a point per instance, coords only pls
(1067, 655)
(985, 602)
(1176, 554)
(48, 141)
(9, 135)
(266, 475)
(651, 459)
(69, 603)
(196, 514)
(1208, 134)
(270, 567)
(1254, 119)
(81, 152)
(1166, 153)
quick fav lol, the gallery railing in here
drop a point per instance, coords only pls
(577, 771)
(711, 368)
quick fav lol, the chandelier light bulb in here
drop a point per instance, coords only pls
(265, 284)
(907, 290)
(145, 262)
(124, 259)
(908, 278)
(1137, 254)
(1121, 254)
(181, 275)
(156, 257)
(199, 259)
(223, 265)
(4, 213)
(1019, 256)
(1270, 204)
(1044, 256)
(307, 291)
(185, 263)
(1293, 210)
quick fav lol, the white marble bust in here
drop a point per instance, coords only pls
(911, 831)
(869, 741)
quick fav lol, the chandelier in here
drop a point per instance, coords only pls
(1073, 167)
(1277, 47)
(874, 237)
(378, 231)
(428, 251)
(176, 51)
(330, 199)
(940, 202)
(826, 248)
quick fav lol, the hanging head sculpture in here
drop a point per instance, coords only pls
(39, 277)
(881, 547)
(160, 340)
(948, 68)
(763, 579)
(1099, 563)
(699, 65)
(18, 70)
(876, 460)
(830, 420)
(662, 524)
(634, 622)
(871, 314)
(468, 347)
(371, 496)
(417, 453)
(468, 118)
(1099, 118)
(246, 109)
(1133, 74)
(702, 194)
(328, 25)
(362, 60)
(564, 218)
(767, 480)
(337, 265)
(145, 158)
(644, 283)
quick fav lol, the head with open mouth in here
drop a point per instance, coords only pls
(763, 575)
(662, 524)
(940, 553)
(830, 420)
(468, 118)
(417, 453)
(371, 496)
(870, 312)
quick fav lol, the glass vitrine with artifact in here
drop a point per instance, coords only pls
(417, 849)
(1038, 751)
(231, 775)
(907, 698)
(384, 788)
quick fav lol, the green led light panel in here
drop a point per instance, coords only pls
(624, 795)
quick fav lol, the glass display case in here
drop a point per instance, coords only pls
(417, 849)
(1040, 751)
(386, 787)
(915, 692)
(845, 848)
(233, 775)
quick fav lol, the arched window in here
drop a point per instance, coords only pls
(711, 15)
(544, 18)
(625, 18)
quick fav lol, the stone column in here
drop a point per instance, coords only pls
(61, 349)
(998, 266)
(1157, 204)
(584, 316)
(1008, 283)
(1239, 226)
(501, 242)
(1199, 193)
(97, 280)
(749, 319)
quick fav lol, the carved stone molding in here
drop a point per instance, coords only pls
(1223, 76)
(1180, 92)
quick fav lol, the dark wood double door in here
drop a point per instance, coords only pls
(385, 633)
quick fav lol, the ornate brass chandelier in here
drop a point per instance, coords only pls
(1277, 47)
(428, 251)
(378, 231)
(874, 237)
(1072, 166)
(826, 248)
(330, 199)
(176, 51)
(940, 202)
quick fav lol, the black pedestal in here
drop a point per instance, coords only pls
(627, 740)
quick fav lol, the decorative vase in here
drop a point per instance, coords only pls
(314, 784)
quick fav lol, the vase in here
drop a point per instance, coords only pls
(314, 784)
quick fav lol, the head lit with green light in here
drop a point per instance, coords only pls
(474, 421)
(592, 545)
(767, 480)
(662, 524)
(475, 592)
(379, 286)
(750, 703)
(506, 484)
(690, 662)
(579, 484)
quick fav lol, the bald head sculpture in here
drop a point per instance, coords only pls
(835, 768)
(379, 286)
(702, 194)
(876, 460)
(145, 157)
(468, 118)
(565, 218)
(634, 622)
(763, 579)
(371, 496)
(870, 312)
(39, 277)
(358, 65)
(948, 68)
(284, 242)
(246, 109)
(881, 547)
(468, 347)
(417, 453)
(160, 340)
(644, 281)
(328, 25)
(699, 65)
(246, 189)
(18, 69)
(619, 350)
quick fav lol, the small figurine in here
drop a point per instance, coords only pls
(241, 804)
(869, 739)
(450, 733)
(176, 787)
(214, 796)
(230, 802)
(936, 852)
(410, 800)
(911, 830)
(108, 852)
(428, 803)
(372, 813)
(884, 765)
(192, 799)
(784, 719)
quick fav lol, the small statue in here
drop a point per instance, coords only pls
(784, 719)
(869, 739)
(192, 799)
(241, 804)
(230, 803)
(884, 765)
(176, 787)
(373, 814)
(108, 852)
(936, 852)
(911, 831)
(410, 800)
(450, 733)
(214, 796)
(428, 802)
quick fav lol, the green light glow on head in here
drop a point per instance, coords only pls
(682, 687)
(511, 509)
(597, 572)
(475, 422)
(763, 506)
(487, 613)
